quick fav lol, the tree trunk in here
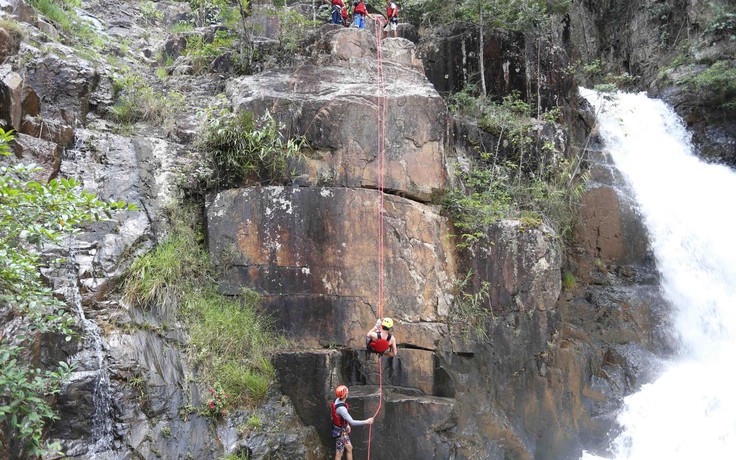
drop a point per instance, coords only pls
(480, 51)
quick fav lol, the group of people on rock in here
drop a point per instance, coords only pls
(379, 339)
(341, 14)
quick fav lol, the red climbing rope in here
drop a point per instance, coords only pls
(380, 171)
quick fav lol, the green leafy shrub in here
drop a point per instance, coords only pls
(481, 200)
(717, 84)
(150, 12)
(32, 214)
(24, 408)
(524, 178)
(243, 150)
(293, 27)
(202, 51)
(136, 100)
(472, 307)
(509, 14)
(723, 25)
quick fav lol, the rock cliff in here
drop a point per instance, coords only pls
(540, 371)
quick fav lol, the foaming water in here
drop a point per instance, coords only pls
(689, 412)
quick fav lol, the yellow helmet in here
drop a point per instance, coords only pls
(387, 323)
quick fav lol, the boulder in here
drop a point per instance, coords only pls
(332, 101)
(409, 369)
(64, 85)
(50, 130)
(611, 231)
(45, 154)
(11, 96)
(313, 253)
(522, 266)
(408, 426)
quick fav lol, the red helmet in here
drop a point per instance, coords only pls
(341, 391)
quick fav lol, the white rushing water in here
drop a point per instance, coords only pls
(689, 412)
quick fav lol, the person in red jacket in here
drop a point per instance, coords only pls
(337, 6)
(341, 423)
(392, 16)
(359, 13)
(345, 18)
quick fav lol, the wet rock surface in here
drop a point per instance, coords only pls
(541, 378)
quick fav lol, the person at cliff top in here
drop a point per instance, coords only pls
(345, 20)
(359, 14)
(380, 340)
(392, 15)
(341, 423)
(337, 6)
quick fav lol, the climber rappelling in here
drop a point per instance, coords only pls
(380, 339)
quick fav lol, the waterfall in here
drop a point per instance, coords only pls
(92, 366)
(689, 411)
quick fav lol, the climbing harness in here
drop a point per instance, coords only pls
(381, 167)
(338, 423)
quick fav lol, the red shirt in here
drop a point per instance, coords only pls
(360, 9)
(338, 3)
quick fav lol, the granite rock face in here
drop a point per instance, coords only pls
(538, 375)
(313, 253)
(332, 101)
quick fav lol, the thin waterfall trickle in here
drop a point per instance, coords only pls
(689, 411)
(91, 363)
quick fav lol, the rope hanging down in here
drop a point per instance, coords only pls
(380, 170)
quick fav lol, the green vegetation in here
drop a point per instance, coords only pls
(254, 422)
(63, 14)
(182, 26)
(229, 340)
(23, 394)
(216, 406)
(32, 214)
(233, 14)
(12, 27)
(150, 12)
(568, 281)
(136, 100)
(202, 52)
(524, 177)
(717, 84)
(243, 150)
(509, 14)
(723, 24)
(472, 307)
(166, 432)
(592, 74)
(293, 27)
(237, 456)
